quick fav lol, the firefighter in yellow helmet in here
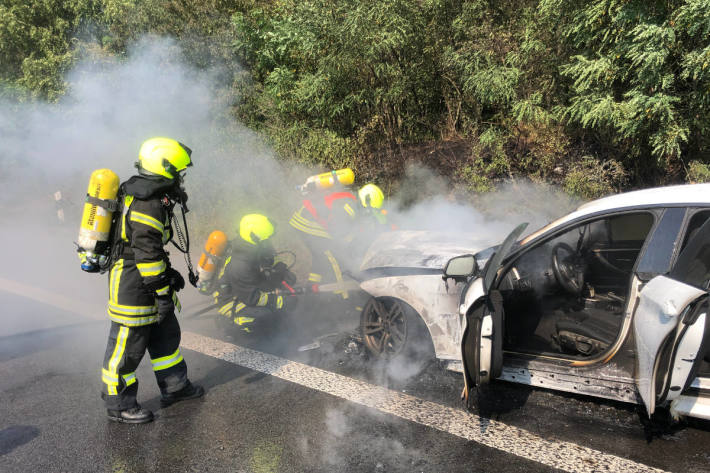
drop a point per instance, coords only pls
(143, 285)
(372, 218)
(372, 200)
(327, 222)
(251, 276)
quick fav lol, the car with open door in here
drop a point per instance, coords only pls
(610, 301)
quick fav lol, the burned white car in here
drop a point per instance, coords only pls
(414, 310)
(610, 300)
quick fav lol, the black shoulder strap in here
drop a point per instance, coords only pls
(109, 204)
(114, 238)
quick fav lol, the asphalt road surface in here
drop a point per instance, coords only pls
(271, 407)
(277, 401)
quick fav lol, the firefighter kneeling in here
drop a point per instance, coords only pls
(143, 286)
(250, 277)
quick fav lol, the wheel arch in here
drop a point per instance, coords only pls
(437, 309)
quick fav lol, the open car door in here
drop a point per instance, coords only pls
(671, 326)
(482, 341)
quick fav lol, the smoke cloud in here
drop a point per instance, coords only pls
(114, 104)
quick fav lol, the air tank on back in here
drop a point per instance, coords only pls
(97, 219)
(326, 180)
(211, 259)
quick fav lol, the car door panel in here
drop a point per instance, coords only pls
(662, 302)
(687, 355)
(482, 340)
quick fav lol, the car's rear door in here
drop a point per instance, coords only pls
(482, 341)
(671, 326)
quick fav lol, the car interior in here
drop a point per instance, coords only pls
(567, 296)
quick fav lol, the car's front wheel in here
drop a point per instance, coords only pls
(391, 328)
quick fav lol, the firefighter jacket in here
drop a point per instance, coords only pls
(246, 272)
(249, 277)
(332, 216)
(139, 273)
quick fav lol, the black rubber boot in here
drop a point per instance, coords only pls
(135, 415)
(190, 391)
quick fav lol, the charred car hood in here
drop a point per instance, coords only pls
(420, 249)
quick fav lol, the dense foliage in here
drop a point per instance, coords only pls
(594, 96)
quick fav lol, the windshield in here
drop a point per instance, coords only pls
(542, 230)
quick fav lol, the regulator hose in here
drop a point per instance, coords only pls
(183, 247)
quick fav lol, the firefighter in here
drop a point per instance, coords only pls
(327, 222)
(371, 198)
(251, 277)
(143, 286)
(372, 219)
(373, 215)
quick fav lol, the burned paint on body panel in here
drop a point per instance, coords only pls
(420, 249)
(433, 299)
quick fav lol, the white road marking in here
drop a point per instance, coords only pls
(491, 433)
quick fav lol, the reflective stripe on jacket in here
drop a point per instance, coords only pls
(139, 274)
(326, 218)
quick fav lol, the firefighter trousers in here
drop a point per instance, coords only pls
(124, 351)
(235, 308)
(325, 267)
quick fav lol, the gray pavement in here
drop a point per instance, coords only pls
(52, 418)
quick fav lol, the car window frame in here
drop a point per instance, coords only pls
(691, 211)
(647, 276)
(672, 273)
(655, 211)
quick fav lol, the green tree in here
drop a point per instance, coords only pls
(636, 77)
(36, 42)
(346, 66)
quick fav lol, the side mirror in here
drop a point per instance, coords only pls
(460, 267)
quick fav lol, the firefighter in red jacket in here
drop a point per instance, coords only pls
(327, 221)
(143, 286)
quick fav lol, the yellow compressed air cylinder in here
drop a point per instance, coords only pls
(326, 180)
(96, 220)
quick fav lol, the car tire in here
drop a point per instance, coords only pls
(409, 337)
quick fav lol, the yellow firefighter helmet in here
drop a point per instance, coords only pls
(163, 157)
(254, 228)
(371, 196)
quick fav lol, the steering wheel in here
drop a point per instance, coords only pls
(568, 267)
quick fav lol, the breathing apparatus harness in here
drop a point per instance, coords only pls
(177, 196)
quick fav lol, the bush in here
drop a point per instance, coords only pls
(590, 178)
(698, 172)
(529, 85)
(314, 147)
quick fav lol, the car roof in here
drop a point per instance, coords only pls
(671, 196)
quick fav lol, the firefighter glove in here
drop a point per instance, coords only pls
(282, 273)
(166, 306)
(177, 282)
(289, 278)
(280, 267)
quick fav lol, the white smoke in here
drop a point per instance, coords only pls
(343, 439)
(114, 104)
